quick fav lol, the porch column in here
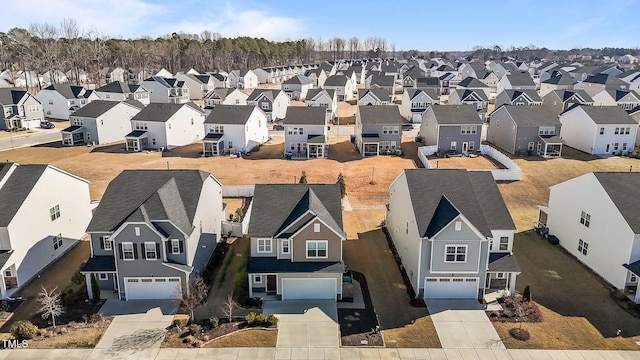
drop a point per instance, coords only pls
(3, 288)
(250, 286)
(126, 144)
(87, 278)
(204, 149)
(512, 283)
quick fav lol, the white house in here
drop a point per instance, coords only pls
(324, 98)
(305, 132)
(373, 97)
(110, 74)
(199, 85)
(416, 101)
(598, 130)
(318, 76)
(166, 90)
(100, 122)
(601, 230)
(297, 87)
(232, 128)
(38, 223)
(342, 85)
(224, 96)
(273, 102)
(243, 79)
(623, 98)
(60, 100)
(165, 126)
(121, 91)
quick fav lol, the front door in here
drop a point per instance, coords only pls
(465, 145)
(271, 283)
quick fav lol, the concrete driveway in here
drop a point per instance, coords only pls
(463, 324)
(305, 323)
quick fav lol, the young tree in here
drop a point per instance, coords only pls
(343, 188)
(303, 178)
(50, 305)
(228, 306)
(198, 291)
(95, 289)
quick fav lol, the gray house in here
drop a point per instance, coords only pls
(20, 109)
(453, 233)
(560, 100)
(296, 242)
(531, 129)
(378, 130)
(453, 128)
(153, 232)
(518, 98)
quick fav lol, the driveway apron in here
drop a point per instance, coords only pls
(305, 323)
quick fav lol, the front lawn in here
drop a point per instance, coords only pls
(71, 335)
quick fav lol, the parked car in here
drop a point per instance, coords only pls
(278, 127)
(47, 125)
(407, 127)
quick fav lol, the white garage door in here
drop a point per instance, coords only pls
(416, 118)
(308, 288)
(450, 288)
(152, 288)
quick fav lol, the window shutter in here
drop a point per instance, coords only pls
(157, 250)
(144, 251)
(120, 250)
(181, 246)
(101, 243)
(135, 251)
(168, 247)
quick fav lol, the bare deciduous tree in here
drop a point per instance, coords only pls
(50, 305)
(228, 307)
(198, 291)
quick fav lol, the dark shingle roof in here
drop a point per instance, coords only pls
(560, 78)
(605, 79)
(276, 206)
(383, 80)
(383, 115)
(313, 92)
(432, 93)
(380, 94)
(230, 114)
(306, 115)
(11, 96)
(95, 108)
(16, 189)
(470, 82)
(116, 87)
(564, 95)
(100, 263)
(532, 115)
(270, 94)
(606, 114)
(336, 80)
(437, 194)
(299, 79)
(456, 114)
(520, 79)
(623, 189)
(470, 95)
(68, 91)
(148, 195)
(428, 81)
(530, 93)
(162, 112)
(503, 262)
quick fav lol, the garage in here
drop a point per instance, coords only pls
(152, 288)
(309, 288)
(451, 288)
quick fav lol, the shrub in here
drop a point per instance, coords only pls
(180, 322)
(78, 278)
(4, 305)
(520, 334)
(620, 295)
(214, 322)
(508, 313)
(240, 287)
(526, 294)
(272, 320)
(250, 318)
(95, 289)
(260, 319)
(195, 329)
(23, 330)
(189, 339)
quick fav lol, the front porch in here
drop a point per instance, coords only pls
(103, 268)
(73, 135)
(631, 283)
(502, 273)
(549, 147)
(317, 147)
(370, 145)
(213, 145)
(137, 140)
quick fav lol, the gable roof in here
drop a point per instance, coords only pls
(470, 82)
(432, 93)
(560, 77)
(380, 115)
(219, 93)
(623, 188)
(312, 93)
(305, 115)
(162, 112)
(605, 115)
(150, 195)
(11, 96)
(619, 95)
(380, 94)
(456, 114)
(99, 107)
(438, 194)
(268, 93)
(299, 79)
(275, 206)
(471, 95)
(16, 189)
(230, 114)
(68, 91)
(118, 87)
(383, 80)
(336, 80)
(565, 95)
(605, 79)
(529, 93)
(520, 78)
(532, 115)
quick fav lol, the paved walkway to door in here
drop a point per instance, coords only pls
(463, 324)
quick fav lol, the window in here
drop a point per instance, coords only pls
(500, 275)
(77, 122)
(217, 129)
(624, 146)
(472, 145)
(8, 273)
(106, 242)
(632, 279)
(455, 253)
(546, 130)
(264, 245)
(54, 212)
(175, 246)
(530, 146)
(583, 247)
(237, 101)
(317, 249)
(316, 227)
(127, 251)
(264, 106)
(150, 251)
(169, 126)
(257, 279)
(458, 225)
(295, 131)
(57, 241)
(601, 131)
(50, 102)
(504, 243)
(103, 276)
(585, 219)
(454, 145)
(615, 146)
(468, 130)
(230, 144)
(285, 247)
(191, 121)
(627, 130)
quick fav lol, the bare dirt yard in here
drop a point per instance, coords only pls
(462, 162)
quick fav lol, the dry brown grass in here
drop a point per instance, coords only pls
(84, 337)
(247, 338)
(359, 221)
(562, 332)
(421, 334)
(462, 162)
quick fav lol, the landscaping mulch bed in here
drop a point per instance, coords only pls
(185, 339)
(359, 327)
(11, 306)
(516, 310)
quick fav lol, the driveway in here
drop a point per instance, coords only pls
(463, 324)
(305, 323)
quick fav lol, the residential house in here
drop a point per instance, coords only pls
(100, 122)
(489, 79)
(297, 87)
(525, 129)
(519, 80)
(305, 132)
(60, 100)
(20, 109)
(113, 73)
(199, 85)
(476, 98)
(165, 126)
(121, 91)
(318, 76)
(451, 128)
(470, 83)
(163, 73)
(373, 97)
(624, 98)
(448, 81)
(166, 90)
(599, 229)
(471, 69)
(387, 82)
(219, 80)
(518, 98)
(296, 236)
(429, 83)
(633, 78)
(411, 76)
(560, 100)
(55, 77)
(416, 101)
(234, 128)
(154, 232)
(274, 103)
(341, 85)
(453, 233)
(324, 98)
(224, 96)
(266, 75)
(243, 79)
(598, 130)
(559, 80)
(45, 212)
(600, 82)
(378, 130)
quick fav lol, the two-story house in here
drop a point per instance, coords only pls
(305, 132)
(153, 232)
(416, 101)
(296, 242)
(518, 98)
(166, 90)
(224, 96)
(516, 80)
(598, 130)
(373, 97)
(60, 100)
(525, 129)
(318, 76)
(560, 100)
(100, 122)
(378, 130)
(243, 79)
(232, 128)
(324, 98)
(274, 103)
(453, 128)
(342, 85)
(453, 233)
(297, 87)
(165, 126)
(38, 224)
(121, 91)
(199, 85)
(476, 98)
(20, 109)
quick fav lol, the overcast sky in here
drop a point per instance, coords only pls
(422, 24)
